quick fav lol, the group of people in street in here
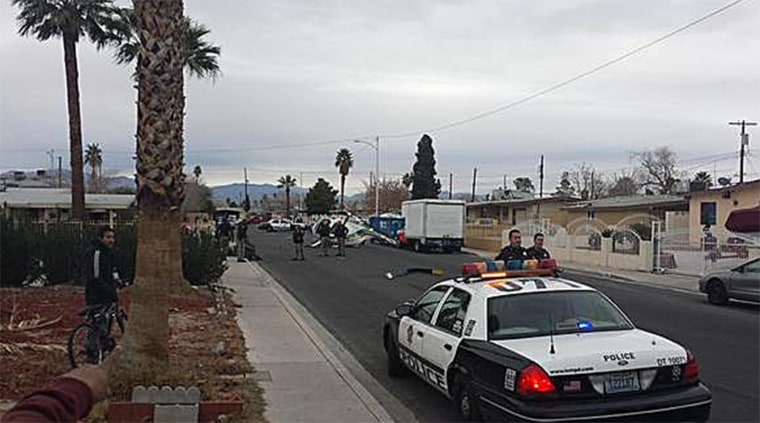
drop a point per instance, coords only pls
(515, 251)
(339, 230)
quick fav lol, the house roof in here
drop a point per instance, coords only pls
(52, 198)
(733, 187)
(631, 201)
(521, 202)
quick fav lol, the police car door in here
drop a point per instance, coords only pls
(413, 328)
(442, 339)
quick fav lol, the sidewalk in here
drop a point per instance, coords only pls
(297, 367)
(675, 282)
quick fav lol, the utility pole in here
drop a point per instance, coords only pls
(60, 172)
(540, 186)
(504, 184)
(541, 178)
(451, 185)
(474, 180)
(743, 140)
(51, 154)
(300, 196)
(377, 172)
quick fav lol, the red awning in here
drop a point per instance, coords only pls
(744, 220)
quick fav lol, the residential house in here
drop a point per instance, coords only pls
(54, 204)
(713, 206)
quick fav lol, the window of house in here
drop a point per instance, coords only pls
(708, 213)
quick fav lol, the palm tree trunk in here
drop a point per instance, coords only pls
(93, 180)
(287, 200)
(75, 126)
(342, 187)
(160, 181)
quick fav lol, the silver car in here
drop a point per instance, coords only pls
(741, 283)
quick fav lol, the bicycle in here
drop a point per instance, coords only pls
(91, 341)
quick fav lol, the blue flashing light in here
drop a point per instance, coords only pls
(585, 325)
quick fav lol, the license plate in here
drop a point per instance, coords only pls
(621, 382)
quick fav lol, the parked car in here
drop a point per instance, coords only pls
(741, 283)
(277, 225)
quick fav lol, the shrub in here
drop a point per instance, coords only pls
(62, 245)
(203, 257)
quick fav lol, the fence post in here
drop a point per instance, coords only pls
(605, 252)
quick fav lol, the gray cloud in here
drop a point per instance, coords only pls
(301, 71)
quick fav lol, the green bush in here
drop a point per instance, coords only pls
(61, 247)
(203, 258)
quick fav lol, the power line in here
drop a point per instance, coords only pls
(570, 80)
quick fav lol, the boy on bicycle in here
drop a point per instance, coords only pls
(101, 280)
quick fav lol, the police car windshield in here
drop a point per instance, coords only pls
(530, 315)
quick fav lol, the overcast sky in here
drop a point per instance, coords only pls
(299, 71)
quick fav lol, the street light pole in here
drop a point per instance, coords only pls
(376, 146)
(377, 171)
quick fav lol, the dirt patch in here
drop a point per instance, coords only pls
(206, 350)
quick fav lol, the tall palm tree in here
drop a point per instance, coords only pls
(71, 20)
(704, 179)
(200, 57)
(160, 181)
(93, 157)
(344, 162)
(287, 182)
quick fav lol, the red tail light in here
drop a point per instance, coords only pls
(533, 380)
(691, 371)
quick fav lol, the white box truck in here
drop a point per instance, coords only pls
(434, 224)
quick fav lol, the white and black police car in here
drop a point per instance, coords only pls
(528, 346)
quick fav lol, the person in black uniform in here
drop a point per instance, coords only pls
(242, 239)
(513, 251)
(323, 231)
(298, 241)
(537, 251)
(340, 231)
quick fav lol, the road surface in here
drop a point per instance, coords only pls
(351, 296)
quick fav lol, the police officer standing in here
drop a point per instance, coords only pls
(323, 231)
(298, 241)
(242, 239)
(513, 251)
(340, 231)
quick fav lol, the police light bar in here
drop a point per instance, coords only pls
(493, 269)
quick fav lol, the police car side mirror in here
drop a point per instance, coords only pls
(404, 309)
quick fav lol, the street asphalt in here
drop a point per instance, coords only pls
(350, 297)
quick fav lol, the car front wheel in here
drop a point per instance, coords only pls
(395, 366)
(716, 292)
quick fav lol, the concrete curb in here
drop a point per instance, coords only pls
(342, 361)
(630, 281)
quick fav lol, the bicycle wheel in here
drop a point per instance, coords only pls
(85, 346)
(121, 319)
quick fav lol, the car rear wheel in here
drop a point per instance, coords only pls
(395, 366)
(465, 400)
(716, 292)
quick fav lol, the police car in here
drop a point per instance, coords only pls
(528, 346)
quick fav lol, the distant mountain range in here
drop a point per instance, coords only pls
(49, 178)
(236, 192)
